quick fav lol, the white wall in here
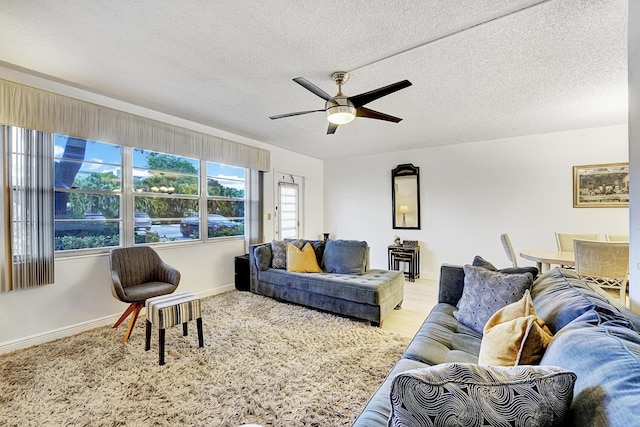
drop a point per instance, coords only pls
(81, 297)
(471, 193)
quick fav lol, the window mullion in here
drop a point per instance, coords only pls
(126, 202)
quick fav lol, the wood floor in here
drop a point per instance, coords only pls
(419, 298)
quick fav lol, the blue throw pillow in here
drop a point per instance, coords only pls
(345, 256)
(606, 358)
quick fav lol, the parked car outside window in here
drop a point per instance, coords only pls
(142, 221)
(189, 227)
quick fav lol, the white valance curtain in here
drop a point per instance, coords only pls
(37, 109)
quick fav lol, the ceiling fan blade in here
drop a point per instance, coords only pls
(281, 116)
(365, 98)
(312, 88)
(332, 128)
(372, 114)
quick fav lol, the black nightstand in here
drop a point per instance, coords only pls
(242, 273)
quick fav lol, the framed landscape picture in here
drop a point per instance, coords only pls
(601, 186)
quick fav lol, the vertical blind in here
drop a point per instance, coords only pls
(28, 209)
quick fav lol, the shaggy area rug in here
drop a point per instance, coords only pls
(263, 362)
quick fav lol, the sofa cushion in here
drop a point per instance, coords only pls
(442, 339)
(345, 256)
(302, 260)
(373, 287)
(514, 335)
(472, 395)
(605, 355)
(263, 256)
(560, 296)
(486, 292)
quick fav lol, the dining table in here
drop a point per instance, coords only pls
(545, 257)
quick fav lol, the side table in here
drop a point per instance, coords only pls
(242, 272)
(407, 255)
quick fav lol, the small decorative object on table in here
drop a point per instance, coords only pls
(410, 243)
(397, 241)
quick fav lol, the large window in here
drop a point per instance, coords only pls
(108, 195)
(166, 190)
(88, 187)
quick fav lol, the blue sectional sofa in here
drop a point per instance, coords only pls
(346, 286)
(593, 337)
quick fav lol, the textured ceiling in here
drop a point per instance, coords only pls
(481, 69)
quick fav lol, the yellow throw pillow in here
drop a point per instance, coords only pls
(514, 335)
(302, 261)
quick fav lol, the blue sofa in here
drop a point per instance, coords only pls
(594, 337)
(346, 286)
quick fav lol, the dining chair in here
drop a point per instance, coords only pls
(605, 264)
(617, 237)
(137, 274)
(565, 240)
(508, 248)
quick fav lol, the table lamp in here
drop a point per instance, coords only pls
(404, 209)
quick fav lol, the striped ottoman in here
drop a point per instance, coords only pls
(169, 310)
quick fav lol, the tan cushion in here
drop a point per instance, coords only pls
(514, 335)
(302, 261)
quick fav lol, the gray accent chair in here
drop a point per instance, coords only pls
(137, 274)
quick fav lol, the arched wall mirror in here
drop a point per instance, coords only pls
(405, 188)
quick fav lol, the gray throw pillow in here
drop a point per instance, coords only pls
(345, 256)
(263, 256)
(465, 394)
(486, 292)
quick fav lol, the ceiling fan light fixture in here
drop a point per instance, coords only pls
(340, 111)
(341, 114)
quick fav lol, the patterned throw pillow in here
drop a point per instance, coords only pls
(514, 335)
(465, 394)
(279, 252)
(486, 292)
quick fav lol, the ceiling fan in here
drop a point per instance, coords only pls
(342, 109)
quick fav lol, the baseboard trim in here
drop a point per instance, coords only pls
(67, 331)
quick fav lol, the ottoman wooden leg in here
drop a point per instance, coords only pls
(161, 346)
(147, 341)
(184, 329)
(200, 334)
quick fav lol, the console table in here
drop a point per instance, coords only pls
(408, 255)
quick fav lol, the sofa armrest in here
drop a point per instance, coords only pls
(254, 268)
(451, 284)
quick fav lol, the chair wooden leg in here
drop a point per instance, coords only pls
(127, 312)
(132, 321)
